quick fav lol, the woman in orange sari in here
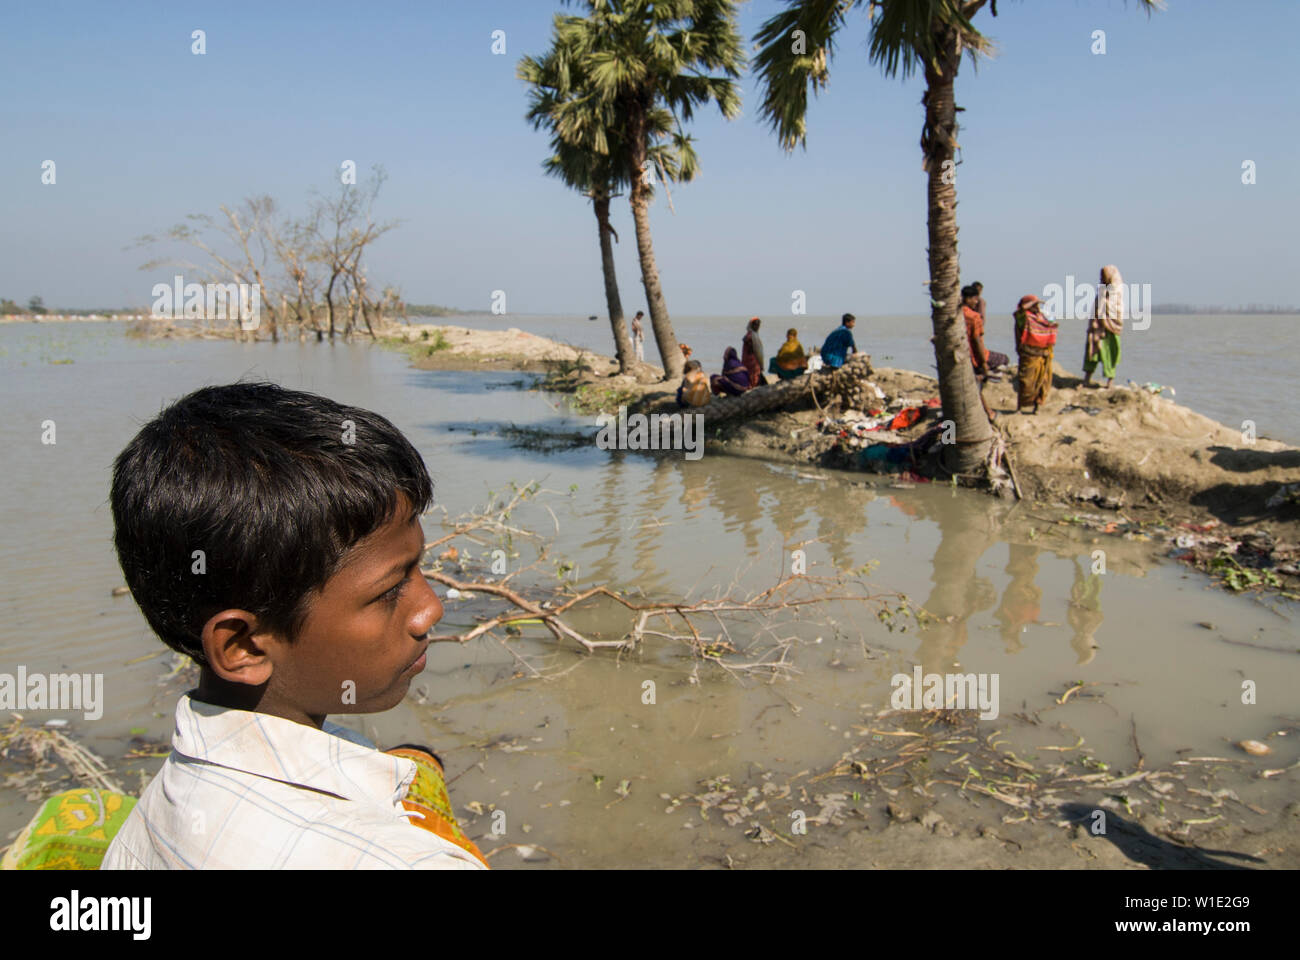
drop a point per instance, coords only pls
(1035, 343)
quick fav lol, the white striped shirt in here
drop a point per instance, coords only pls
(244, 790)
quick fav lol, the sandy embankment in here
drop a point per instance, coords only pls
(1137, 457)
(511, 349)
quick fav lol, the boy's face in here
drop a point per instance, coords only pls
(363, 640)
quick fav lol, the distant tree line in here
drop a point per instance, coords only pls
(1187, 308)
(430, 310)
(35, 306)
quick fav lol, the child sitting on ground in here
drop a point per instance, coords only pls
(274, 537)
(694, 391)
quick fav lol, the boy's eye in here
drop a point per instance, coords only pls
(390, 596)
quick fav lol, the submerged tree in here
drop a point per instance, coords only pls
(905, 35)
(290, 261)
(343, 226)
(638, 69)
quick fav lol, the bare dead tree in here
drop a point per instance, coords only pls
(236, 247)
(345, 228)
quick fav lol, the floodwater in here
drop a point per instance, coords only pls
(1014, 596)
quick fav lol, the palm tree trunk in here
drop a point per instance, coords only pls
(613, 303)
(781, 395)
(958, 389)
(665, 338)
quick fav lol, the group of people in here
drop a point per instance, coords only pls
(1035, 335)
(743, 371)
(1036, 339)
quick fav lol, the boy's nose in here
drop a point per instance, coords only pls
(430, 612)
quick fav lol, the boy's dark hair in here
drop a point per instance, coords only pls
(692, 365)
(273, 485)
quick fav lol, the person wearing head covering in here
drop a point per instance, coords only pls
(1035, 343)
(734, 378)
(694, 391)
(790, 361)
(751, 353)
(1105, 327)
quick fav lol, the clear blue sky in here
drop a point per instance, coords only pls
(1071, 160)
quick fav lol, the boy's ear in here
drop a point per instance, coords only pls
(237, 649)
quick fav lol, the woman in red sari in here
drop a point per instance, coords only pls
(1035, 343)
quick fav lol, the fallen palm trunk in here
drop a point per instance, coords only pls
(812, 389)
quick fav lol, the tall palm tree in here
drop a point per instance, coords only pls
(905, 35)
(640, 68)
(595, 175)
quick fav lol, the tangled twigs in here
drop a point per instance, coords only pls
(551, 614)
(676, 620)
(39, 742)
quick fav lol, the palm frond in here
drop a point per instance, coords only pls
(795, 50)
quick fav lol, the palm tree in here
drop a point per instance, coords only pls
(597, 176)
(638, 69)
(905, 35)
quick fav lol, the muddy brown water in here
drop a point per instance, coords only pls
(1013, 590)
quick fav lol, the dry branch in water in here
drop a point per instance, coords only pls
(675, 620)
(35, 745)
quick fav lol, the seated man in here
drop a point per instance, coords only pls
(274, 537)
(840, 343)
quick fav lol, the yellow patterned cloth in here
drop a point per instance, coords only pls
(71, 831)
(428, 797)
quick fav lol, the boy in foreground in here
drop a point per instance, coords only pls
(274, 536)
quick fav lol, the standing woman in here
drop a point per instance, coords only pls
(1035, 343)
(751, 353)
(1105, 327)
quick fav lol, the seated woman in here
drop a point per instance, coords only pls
(734, 379)
(790, 361)
(694, 391)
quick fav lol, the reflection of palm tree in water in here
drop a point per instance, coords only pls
(1084, 612)
(734, 489)
(656, 531)
(967, 530)
(1022, 600)
(632, 511)
(788, 514)
(609, 533)
(843, 516)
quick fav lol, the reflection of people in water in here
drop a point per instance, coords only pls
(1084, 612)
(1022, 599)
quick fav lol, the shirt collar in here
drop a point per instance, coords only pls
(333, 760)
